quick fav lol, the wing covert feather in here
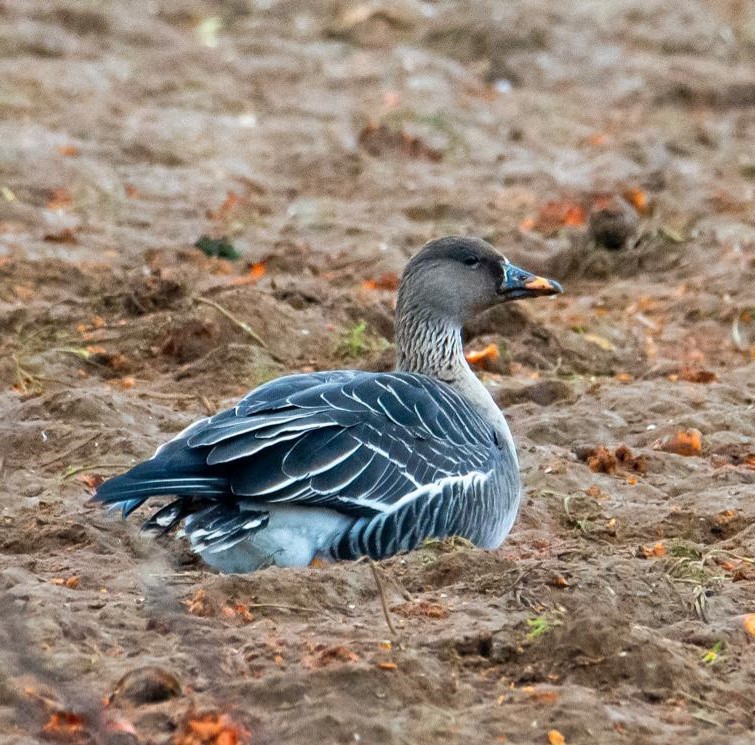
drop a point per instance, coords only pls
(354, 441)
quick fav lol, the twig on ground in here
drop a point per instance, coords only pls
(165, 396)
(243, 325)
(401, 589)
(381, 593)
(706, 719)
(91, 467)
(68, 452)
(706, 705)
(209, 409)
(279, 606)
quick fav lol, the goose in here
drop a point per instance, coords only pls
(343, 464)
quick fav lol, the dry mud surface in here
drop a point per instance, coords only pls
(328, 141)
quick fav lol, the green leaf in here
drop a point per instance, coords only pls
(221, 248)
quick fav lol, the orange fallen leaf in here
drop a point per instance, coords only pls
(655, 552)
(205, 728)
(697, 375)
(601, 460)
(66, 235)
(114, 360)
(421, 609)
(724, 517)
(337, 654)
(685, 442)
(131, 191)
(596, 139)
(258, 270)
(490, 353)
(60, 199)
(386, 281)
(210, 728)
(90, 480)
(387, 666)
(243, 612)
(637, 198)
(380, 139)
(556, 738)
(201, 605)
(226, 737)
(124, 384)
(748, 622)
(231, 200)
(64, 725)
(68, 150)
(557, 214)
(541, 695)
(625, 457)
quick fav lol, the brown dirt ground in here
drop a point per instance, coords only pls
(328, 141)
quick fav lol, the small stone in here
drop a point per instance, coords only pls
(547, 392)
(147, 685)
(613, 222)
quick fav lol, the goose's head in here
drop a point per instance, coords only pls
(455, 278)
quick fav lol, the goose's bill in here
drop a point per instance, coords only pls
(519, 283)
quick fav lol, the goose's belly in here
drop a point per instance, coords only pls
(292, 538)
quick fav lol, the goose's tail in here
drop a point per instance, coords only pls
(175, 470)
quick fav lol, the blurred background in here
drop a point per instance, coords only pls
(198, 196)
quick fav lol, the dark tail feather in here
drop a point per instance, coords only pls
(152, 479)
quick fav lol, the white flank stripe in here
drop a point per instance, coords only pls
(426, 490)
(431, 490)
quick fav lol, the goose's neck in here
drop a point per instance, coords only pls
(432, 346)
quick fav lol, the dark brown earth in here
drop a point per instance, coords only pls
(327, 141)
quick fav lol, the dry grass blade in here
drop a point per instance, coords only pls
(243, 325)
(383, 602)
(71, 472)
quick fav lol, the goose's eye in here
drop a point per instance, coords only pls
(471, 261)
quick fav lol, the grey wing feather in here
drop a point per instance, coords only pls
(366, 440)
